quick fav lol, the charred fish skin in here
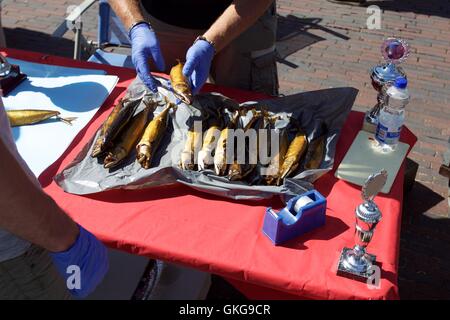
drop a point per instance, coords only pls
(127, 139)
(111, 128)
(151, 138)
(293, 155)
(180, 84)
(315, 153)
(31, 116)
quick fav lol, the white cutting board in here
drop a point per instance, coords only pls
(74, 92)
(362, 160)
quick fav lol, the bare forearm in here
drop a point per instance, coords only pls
(237, 18)
(128, 11)
(26, 211)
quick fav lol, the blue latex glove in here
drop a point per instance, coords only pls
(144, 46)
(88, 256)
(198, 63)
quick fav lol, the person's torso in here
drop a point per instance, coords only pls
(10, 245)
(194, 14)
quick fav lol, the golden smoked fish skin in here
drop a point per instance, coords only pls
(276, 163)
(180, 84)
(238, 171)
(205, 157)
(31, 116)
(113, 125)
(220, 159)
(220, 164)
(315, 153)
(127, 139)
(192, 144)
(152, 136)
(291, 160)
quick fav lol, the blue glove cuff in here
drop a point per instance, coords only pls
(77, 243)
(139, 24)
(213, 45)
(87, 253)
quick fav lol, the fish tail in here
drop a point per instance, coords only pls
(67, 120)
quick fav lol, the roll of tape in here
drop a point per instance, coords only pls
(301, 202)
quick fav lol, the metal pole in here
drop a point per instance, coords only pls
(78, 33)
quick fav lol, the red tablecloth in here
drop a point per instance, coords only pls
(224, 237)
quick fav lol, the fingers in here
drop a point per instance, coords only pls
(145, 45)
(149, 81)
(189, 67)
(191, 70)
(158, 58)
(195, 83)
(199, 78)
(143, 70)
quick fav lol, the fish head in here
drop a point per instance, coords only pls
(235, 172)
(270, 180)
(220, 168)
(185, 96)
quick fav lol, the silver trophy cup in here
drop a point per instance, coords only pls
(394, 51)
(357, 261)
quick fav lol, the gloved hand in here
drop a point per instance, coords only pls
(198, 63)
(88, 256)
(145, 45)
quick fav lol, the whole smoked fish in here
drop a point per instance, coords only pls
(180, 83)
(32, 116)
(152, 137)
(113, 125)
(127, 139)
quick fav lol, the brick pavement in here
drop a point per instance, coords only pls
(326, 44)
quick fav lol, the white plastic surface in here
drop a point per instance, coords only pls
(72, 91)
(362, 160)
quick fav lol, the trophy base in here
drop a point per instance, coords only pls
(344, 269)
(10, 81)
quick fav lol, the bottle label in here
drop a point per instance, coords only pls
(387, 135)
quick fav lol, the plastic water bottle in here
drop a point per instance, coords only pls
(392, 116)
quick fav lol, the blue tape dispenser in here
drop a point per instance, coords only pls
(302, 213)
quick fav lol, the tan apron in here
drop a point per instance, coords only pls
(248, 62)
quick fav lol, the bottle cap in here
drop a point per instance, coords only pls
(401, 83)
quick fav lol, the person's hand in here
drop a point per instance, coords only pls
(83, 265)
(145, 46)
(198, 63)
